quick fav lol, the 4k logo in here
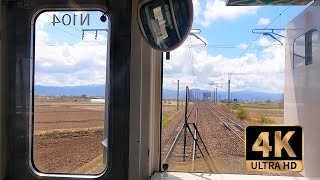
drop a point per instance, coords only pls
(274, 148)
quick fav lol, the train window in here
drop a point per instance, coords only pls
(219, 81)
(201, 131)
(69, 92)
(303, 46)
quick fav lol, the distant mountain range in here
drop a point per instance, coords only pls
(99, 91)
(223, 95)
(88, 90)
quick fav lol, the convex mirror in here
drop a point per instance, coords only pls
(165, 24)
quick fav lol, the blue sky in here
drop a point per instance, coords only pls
(64, 59)
(258, 68)
(238, 29)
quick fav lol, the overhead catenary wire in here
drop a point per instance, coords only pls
(255, 55)
(264, 28)
(257, 37)
(78, 37)
(253, 42)
(191, 58)
(218, 46)
(72, 35)
(72, 28)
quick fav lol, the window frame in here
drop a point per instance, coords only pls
(312, 30)
(30, 142)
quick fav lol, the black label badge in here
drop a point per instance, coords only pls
(274, 148)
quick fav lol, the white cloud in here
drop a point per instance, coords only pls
(259, 72)
(216, 9)
(264, 21)
(243, 46)
(67, 62)
(63, 64)
(196, 9)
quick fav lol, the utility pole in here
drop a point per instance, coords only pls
(216, 91)
(178, 97)
(216, 95)
(229, 77)
(211, 97)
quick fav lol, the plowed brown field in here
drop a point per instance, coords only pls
(67, 134)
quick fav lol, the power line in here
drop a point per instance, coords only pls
(72, 35)
(78, 37)
(260, 34)
(257, 53)
(253, 73)
(253, 42)
(68, 26)
(191, 58)
(212, 46)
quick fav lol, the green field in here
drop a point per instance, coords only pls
(263, 105)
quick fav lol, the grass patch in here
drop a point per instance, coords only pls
(235, 106)
(95, 166)
(265, 119)
(166, 119)
(242, 114)
(223, 106)
(98, 167)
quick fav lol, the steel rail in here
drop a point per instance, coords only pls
(230, 128)
(233, 131)
(227, 125)
(177, 136)
(230, 119)
(188, 115)
(195, 137)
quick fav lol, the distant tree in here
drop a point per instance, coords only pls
(84, 96)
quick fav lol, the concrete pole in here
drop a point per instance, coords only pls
(178, 97)
(229, 94)
(216, 95)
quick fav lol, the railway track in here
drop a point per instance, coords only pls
(171, 143)
(236, 128)
(225, 149)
